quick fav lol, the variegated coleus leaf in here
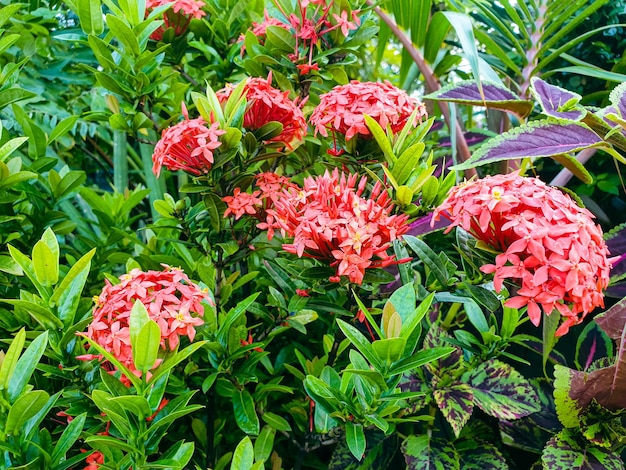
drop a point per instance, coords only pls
(494, 96)
(545, 138)
(479, 455)
(501, 391)
(556, 101)
(456, 403)
(618, 99)
(563, 451)
(423, 453)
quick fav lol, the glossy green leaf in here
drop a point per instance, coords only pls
(137, 405)
(43, 315)
(243, 458)
(67, 294)
(429, 258)
(90, 16)
(11, 358)
(381, 138)
(245, 412)
(27, 266)
(62, 128)
(13, 95)
(407, 162)
(124, 34)
(25, 366)
(146, 347)
(11, 146)
(69, 437)
(264, 444)
(355, 438)
(277, 422)
(24, 408)
(361, 343)
(45, 264)
(419, 359)
(462, 25)
(389, 350)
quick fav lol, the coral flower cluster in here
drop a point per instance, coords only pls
(178, 16)
(341, 109)
(330, 219)
(310, 24)
(187, 146)
(171, 299)
(267, 104)
(550, 247)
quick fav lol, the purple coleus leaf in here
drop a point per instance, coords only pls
(545, 138)
(556, 101)
(456, 403)
(564, 451)
(494, 96)
(501, 391)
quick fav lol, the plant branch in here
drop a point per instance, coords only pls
(431, 82)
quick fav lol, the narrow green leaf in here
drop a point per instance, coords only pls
(27, 266)
(381, 139)
(277, 422)
(137, 405)
(462, 24)
(11, 146)
(10, 358)
(62, 128)
(42, 315)
(26, 365)
(70, 435)
(124, 34)
(14, 94)
(264, 444)
(429, 258)
(68, 293)
(245, 413)
(419, 359)
(361, 343)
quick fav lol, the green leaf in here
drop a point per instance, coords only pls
(566, 407)
(381, 139)
(389, 350)
(24, 408)
(138, 318)
(27, 266)
(361, 343)
(11, 146)
(25, 366)
(419, 359)
(67, 294)
(462, 24)
(45, 264)
(277, 422)
(355, 438)
(232, 316)
(137, 405)
(407, 162)
(42, 315)
(11, 358)
(90, 16)
(14, 94)
(245, 413)
(264, 444)
(429, 258)
(243, 458)
(103, 442)
(62, 128)
(70, 435)
(146, 348)
(124, 34)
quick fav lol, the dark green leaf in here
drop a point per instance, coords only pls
(245, 413)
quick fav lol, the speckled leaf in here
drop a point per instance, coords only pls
(618, 99)
(545, 138)
(562, 451)
(556, 101)
(501, 391)
(531, 432)
(477, 455)
(422, 453)
(495, 96)
(456, 402)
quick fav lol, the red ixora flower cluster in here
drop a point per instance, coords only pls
(267, 104)
(172, 300)
(310, 25)
(178, 16)
(270, 186)
(342, 108)
(187, 146)
(548, 244)
(329, 219)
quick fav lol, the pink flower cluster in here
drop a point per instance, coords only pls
(329, 219)
(267, 104)
(256, 203)
(341, 109)
(178, 16)
(549, 245)
(187, 146)
(310, 27)
(172, 300)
